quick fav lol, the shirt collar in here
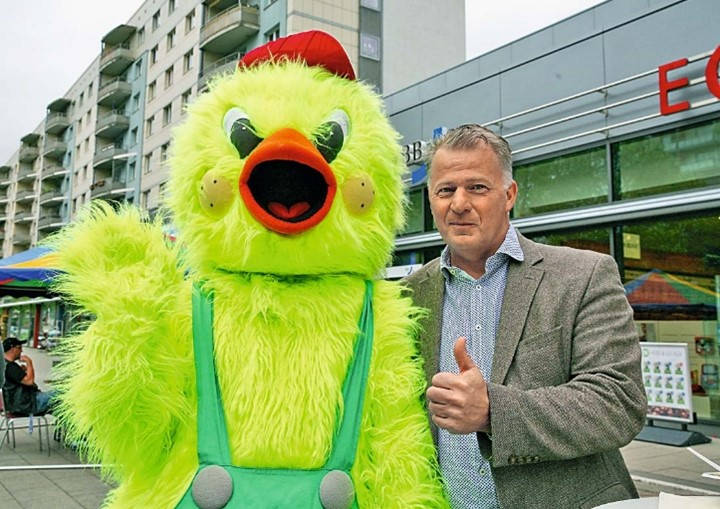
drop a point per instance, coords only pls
(510, 248)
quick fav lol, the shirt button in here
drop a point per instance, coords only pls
(482, 471)
(477, 327)
(478, 287)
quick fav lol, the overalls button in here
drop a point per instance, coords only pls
(212, 487)
(336, 490)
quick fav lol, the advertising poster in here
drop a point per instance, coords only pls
(666, 378)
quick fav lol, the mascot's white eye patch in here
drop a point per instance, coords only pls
(332, 133)
(240, 131)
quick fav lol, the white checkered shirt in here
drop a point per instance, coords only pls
(471, 309)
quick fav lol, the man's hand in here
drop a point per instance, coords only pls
(460, 403)
(25, 359)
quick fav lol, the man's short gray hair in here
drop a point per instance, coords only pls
(467, 137)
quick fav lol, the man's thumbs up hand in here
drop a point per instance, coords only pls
(464, 361)
(460, 403)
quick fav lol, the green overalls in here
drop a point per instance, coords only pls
(218, 483)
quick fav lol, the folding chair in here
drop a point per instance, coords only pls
(7, 425)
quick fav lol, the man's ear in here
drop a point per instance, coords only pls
(510, 196)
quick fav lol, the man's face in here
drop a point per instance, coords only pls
(470, 201)
(15, 352)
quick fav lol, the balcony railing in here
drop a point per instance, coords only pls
(107, 187)
(54, 148)
(21, 237)
(114, 92)
(115, 59)
(28, 154)
(23, 216)
(25, 195)
(53, 172)
(104, 157)
(53, 195)
(50, 222)
(26, 173)
(224, 65)
(228, 29)
(56, 122)
(111, 125)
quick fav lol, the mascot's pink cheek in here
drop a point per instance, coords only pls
(216, 193)
(358, 194)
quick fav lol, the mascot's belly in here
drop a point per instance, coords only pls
(282, 352)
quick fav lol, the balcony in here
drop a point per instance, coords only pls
(56, 123)
(114, 92)
(225, 65)
(27, 173)
(4, 199)
(52, 197)
(104, 157)
(106, 188)
(112, 125)
(5, 176)
(53, 172)
(28, 154)
(229, 28)
(115, 59)
(50, 222)
(54, 148)
(24, 216)
(25, 195)
(21, 238)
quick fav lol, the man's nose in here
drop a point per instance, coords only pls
(460, 202)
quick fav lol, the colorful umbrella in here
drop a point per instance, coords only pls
(33, 268)
(659, 290)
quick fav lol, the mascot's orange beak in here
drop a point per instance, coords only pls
(286, 183)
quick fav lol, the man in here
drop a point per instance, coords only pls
(20, 393)
(531, 354)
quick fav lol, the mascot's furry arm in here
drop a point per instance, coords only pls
(387, 454)
(127, 376)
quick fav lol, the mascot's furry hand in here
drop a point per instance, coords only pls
(286, 189)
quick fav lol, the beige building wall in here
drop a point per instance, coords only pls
(420, 38)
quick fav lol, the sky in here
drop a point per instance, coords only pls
(46, 44)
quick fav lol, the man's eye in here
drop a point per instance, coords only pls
(445, 191)
(478, 188)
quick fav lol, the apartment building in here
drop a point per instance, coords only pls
(109, 136)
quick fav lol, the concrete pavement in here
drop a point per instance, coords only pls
(654, 467)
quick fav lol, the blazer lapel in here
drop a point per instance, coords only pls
(522, 282)
(432, 290)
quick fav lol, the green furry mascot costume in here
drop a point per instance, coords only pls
(259, 364)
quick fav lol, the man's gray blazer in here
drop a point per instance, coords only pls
(566, 389)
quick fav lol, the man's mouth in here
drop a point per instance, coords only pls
(286, 183)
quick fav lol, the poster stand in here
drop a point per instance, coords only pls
(671, 436)
(666, 379)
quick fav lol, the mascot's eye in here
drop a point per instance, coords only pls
(331, 135)
(240, 131)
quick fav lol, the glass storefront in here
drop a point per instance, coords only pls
(670, 265)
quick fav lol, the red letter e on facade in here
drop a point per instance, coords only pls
(666, 86)
(711, 73)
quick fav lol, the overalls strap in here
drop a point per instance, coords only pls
(213, 446)
(342, 456)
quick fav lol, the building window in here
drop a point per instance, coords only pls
(273, 34)
(171, 6)
(564, 182)
(84, 172)
(190, 21)
(131, 172)
(151, 90)
(81, 99)
(168, 77)
(170, 39)
(149, 126)
(135, 102)
(156, 20)
(134, 136)
(88, 117)
(144, 199)
(90, 89)
(164, 152)
(187, 61)
(138, 69)
(167, 114)
(370, 46)
(185, 100)
(154, 54)
(141, 35)
(415, 212)
(146, 163)
(680, 159)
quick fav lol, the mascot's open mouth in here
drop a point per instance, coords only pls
(286, 183)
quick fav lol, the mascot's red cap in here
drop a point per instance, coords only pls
(312, 47)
